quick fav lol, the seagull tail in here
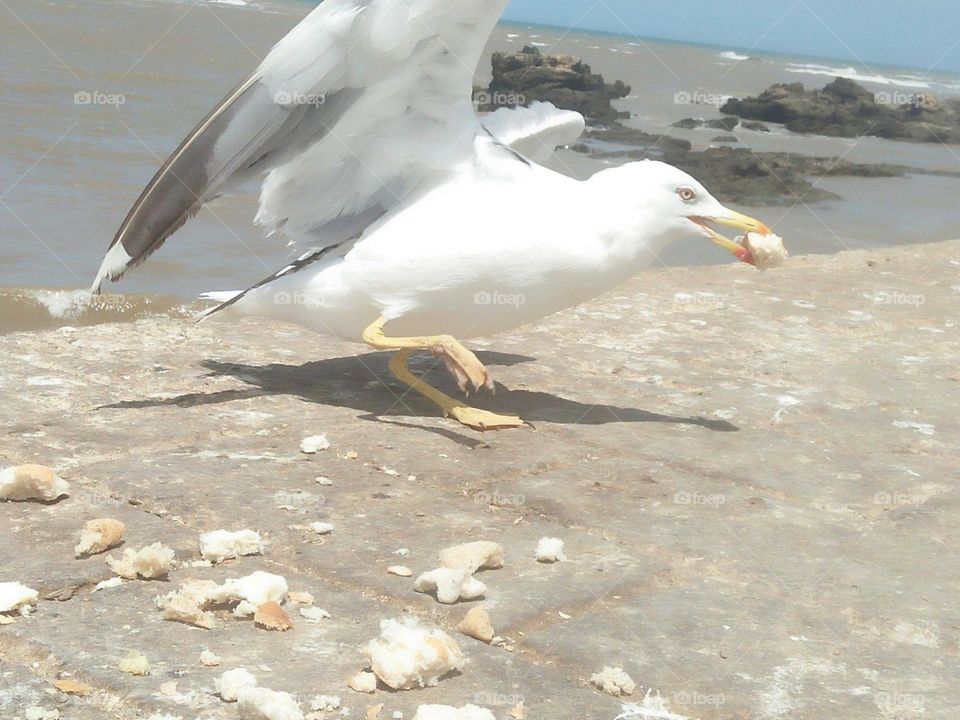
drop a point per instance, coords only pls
(223, 299)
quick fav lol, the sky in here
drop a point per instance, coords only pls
(922, 34)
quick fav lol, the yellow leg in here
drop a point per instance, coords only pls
(471, 367)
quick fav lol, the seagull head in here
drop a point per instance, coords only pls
(685, 208)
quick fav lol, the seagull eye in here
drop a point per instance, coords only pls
(687, 194)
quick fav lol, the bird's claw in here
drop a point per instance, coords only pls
(482, 420)
(465, 367)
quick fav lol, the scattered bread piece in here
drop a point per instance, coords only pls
(363, 682)
(32, 482)
(98, 536)
(40, 713)
(301, 598)
(219, 545)
(209, 659)
(16, 597)
(150, 563)
(373, 712)
(169, 689)
(257, 703)
(321, 528)
(400, 570)
(518, 712)
(613, 681)
(314, 444)
(477, 625)
(447, 712)
(135, 664)
(550, 550)
(325, 703)
(406, 656)
(450, 585)
(479, 555)
(69, 686)
(229, 685)
(314, 614)
(271, 616)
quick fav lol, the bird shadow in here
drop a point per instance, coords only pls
(361, 382)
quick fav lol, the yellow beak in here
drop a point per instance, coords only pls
(738, 221)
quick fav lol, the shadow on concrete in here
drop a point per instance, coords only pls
(364, 383)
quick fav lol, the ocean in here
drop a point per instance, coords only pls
(97, 93)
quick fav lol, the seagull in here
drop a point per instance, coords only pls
(416, 223)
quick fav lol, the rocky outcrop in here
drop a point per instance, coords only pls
(845, 109)
(527, 76)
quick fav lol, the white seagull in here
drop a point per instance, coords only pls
(417, 223)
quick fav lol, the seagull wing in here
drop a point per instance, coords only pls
(361, 106)
(536, 131)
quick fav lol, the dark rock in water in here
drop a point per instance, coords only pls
(523, 77)
(657, 144)
(725, 139)
(727, 123)
(688, 124)
(845, 109)
(754, 125)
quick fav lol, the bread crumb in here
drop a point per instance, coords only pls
(17, 597)
(220, 545)
(400, 570)
(373, 712)
(450, 585)
(257, 703)
(325, 703)
(98, 536)
(39, 713)
(32, 482)
(209, 659)
(768, 251)
(406, 656)
(479, 555)
(447, 712)
(477, 625)
(169, 689)
(363, 682)
(135, 664)
(323, 480)
(550, 550)
(314, 444)
(69, 686)
(518, 712)
(271, 616)
(613, 681)
(229, 685)
(115, 581)
(152, 562)
(301, 598)
(321, 528)
(314, 614)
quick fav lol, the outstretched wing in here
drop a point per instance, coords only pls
(364, 103)
(536, 131)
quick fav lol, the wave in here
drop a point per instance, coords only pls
(26, 309)
(908, 81)
(732, 55)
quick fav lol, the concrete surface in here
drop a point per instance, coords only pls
(755, 476)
